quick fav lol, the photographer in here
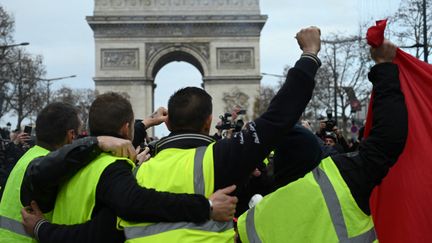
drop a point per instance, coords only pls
(331, 140)
(322, 129)
(332, 136)
(229, 124)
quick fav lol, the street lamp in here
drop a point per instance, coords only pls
(13, 45)
(49, 80)
(273, 75)
(329, 113)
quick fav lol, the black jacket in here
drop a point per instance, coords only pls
(364, 170)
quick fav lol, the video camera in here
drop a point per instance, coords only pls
(330, 123)
(228, 123)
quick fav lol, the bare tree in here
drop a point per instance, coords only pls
(7, 24)
(80, 98)
(345, 65)
(25, 94)
(409, 23)
(267, 92)
(322, 94)
(7, 27)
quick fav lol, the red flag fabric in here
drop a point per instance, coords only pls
(375, 34)
(402, 205)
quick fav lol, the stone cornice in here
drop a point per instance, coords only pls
(92, 20)
(231, 79)
(121, 81)
(174, 30)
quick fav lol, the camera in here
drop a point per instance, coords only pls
(28, 130)
(151, 146)
(228, 123)
(329, 125)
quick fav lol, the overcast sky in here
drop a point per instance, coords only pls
(57, 30)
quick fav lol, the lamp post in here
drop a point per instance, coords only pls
(273, 75)
(425, 44)
(329, 113)
(48, 83)
(13, 45)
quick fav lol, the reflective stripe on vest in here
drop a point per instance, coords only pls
(333, 206)
(143, 231)
(198, 170)
(12, 225)
(250, 227)
(211, 226)
(335, 210)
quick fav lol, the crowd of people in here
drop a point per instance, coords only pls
(271, 180)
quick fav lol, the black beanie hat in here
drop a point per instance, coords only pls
(296, 154)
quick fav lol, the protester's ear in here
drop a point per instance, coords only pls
(168, 125)
(70, 136)
(207, 125)
(124, 130)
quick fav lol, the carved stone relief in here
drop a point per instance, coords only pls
(202, 49)
(119, 59)
(235, 58)
(235, 98)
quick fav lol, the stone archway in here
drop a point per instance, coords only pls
(134, 39)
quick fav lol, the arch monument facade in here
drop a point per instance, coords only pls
(134, 39)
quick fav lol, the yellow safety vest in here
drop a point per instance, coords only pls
(11, 229)
(77, 197)
(316, 208)
(179, 171)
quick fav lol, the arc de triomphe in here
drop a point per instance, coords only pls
(134, 39)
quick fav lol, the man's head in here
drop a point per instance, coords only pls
(296, 153)
(330, 139)
(57, 124)
(111, 114)
(322, 125)
(190, 109)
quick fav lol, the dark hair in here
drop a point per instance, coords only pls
(188, 108)
(295, 154)
(108, 113)
(54, 121)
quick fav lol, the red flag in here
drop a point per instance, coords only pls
(375, 34)
(402, 205)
